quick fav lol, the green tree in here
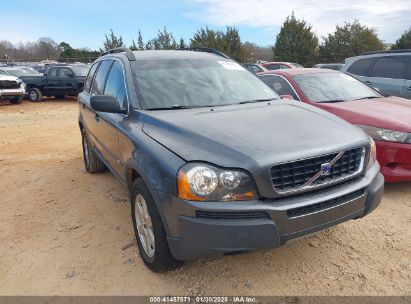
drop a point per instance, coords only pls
(133, 46)
(228, 42)
(404, 42)
(182, 44)
(349, 40)
(112, 41)
(296, 42)
(140, 42)
(164, 41)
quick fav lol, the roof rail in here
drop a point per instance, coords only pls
(387, 52)
(204, 49)
(129, 54)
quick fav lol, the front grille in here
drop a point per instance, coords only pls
(232, 215)
(326, 204)
(9, 84)
(293, 176)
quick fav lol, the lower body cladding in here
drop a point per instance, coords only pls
(395, 161)
(204, 229)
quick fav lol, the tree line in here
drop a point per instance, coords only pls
(295, 42)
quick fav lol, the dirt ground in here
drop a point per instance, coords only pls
(66, 232)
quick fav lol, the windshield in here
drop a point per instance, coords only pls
(328, 87)
(168, 83)
(79, 71)
(17, 73)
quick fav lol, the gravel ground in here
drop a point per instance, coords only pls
(66, 232)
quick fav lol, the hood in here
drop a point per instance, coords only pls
(9, 78)
(391, 113)
(252, 135)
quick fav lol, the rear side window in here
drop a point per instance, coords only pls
(97, 86)
(394, 67)
(115, 85)
(90, 77)
(279, 85)
(52, 72)
(360, 67)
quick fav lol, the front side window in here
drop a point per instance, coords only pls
(273, 66)
(333, 87)
(168, 83)
(64, 72)
(390, 67)
(97, 86)
(52, 72)
(360, 67)
(115, 85)
(279, 85)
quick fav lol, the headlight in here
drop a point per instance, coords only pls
(202, 182)
(373, 154)
(387, 135)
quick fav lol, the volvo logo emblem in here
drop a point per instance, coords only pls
(325, 169)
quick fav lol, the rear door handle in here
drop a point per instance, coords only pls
(409, 88)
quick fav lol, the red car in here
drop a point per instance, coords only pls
(277, 65)
(386, 119)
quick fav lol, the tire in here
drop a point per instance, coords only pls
(157, 257)
(35, 95)
(91, 162)
(17, 99)
(60, 96)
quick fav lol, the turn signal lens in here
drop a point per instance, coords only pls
(373, 153)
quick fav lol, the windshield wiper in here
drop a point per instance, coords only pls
(257, 100)
(332, 101)
(367, 97)
(173, 107)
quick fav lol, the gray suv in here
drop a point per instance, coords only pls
(214, 161)
(388, 71)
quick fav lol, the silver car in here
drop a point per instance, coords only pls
(388, 71)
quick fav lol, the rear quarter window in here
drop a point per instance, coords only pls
(361, 67)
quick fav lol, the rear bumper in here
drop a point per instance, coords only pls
(264, 224)
(395, 161)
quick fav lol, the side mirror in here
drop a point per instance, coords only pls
(105, 103)
(289, 97)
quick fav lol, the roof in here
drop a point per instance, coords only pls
(170, 54)
(298, 71)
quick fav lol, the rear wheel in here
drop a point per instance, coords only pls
(149, 230)
(16, 100)
(35, 95)
(91, 162)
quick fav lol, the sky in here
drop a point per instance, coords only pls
(83, 23)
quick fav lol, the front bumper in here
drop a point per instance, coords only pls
(12, 92)
(191, 235)
(395, 160)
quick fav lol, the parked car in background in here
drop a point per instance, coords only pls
(16, 71)
(386, 119)
(389, 71)
(29, 70)
(215, 163)
(254, 67)
(280, 65)
(11, 88)
(331, 66)
(58, 81)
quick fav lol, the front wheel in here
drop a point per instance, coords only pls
(35, 95)
(149, 230)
